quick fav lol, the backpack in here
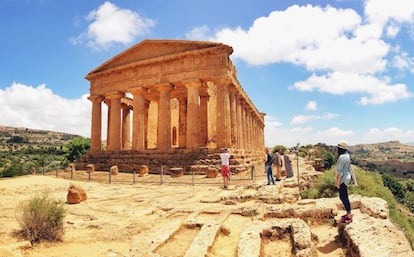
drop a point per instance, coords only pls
(269, 160)
(353, 181)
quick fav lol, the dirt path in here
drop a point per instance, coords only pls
(155, 220)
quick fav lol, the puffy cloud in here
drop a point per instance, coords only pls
(380, 11)
(198, 33)
(310, 36)
(307, 135)
(39, 108)
(301, 119)
(311, 106)
(111, 24)
(375, 135)
(345, 51)
(379, 91)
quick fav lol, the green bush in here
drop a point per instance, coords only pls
(15, 168)
(77, 147)
(41, 218)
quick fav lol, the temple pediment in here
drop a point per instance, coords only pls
(152, 49)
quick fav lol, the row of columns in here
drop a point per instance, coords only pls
(237, 124)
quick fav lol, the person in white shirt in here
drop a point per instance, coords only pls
(225, 167)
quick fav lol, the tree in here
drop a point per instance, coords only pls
(77, 147)
(396, 188)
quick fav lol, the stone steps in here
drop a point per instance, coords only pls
(190, 162)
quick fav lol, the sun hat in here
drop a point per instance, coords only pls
(343, 144)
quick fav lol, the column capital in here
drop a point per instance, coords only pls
(138, 90)
(192, 83)
(223, 81)
(114, 95)
(164, 86)
(96, 98)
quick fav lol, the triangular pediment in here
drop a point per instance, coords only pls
(151, 49)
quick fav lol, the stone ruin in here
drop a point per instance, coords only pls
(76, 194)
(175, 103)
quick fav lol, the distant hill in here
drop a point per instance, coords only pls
(22, 149)
(390, 157)
(34, 137)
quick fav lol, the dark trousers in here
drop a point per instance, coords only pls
(343, 195)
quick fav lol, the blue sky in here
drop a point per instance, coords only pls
(322, 71)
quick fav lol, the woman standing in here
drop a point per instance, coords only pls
(343, 178)
(288, 164)
(268, 167)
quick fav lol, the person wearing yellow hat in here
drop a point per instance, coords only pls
(343, 178)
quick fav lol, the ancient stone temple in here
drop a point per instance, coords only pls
(171, 99)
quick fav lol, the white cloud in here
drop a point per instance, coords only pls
(39, 108)
(311, 106)
(345, 50)
(392, 31)
(301, 119)
(198, 33)
(306, 135)
(378, 91)
(110, 24)
(376, 135)
(310, 36)
(383, 11)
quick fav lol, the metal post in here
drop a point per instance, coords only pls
(161, 174)
(297, 165)
(71, 173)
(133, 176)
(110, 176)
(89, 175)
(192, 177)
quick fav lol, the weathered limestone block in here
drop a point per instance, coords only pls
(374, 207)
(367, 236)
(176, 172)
(114, 170)
(143, 171)
(76, 194)
(212, 173)
(90, 168)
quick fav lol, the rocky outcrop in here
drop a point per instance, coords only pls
(76, 194)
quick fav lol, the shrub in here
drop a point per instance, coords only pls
(41, 218)
(15, 168)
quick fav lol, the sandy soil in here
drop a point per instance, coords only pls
(124, 219)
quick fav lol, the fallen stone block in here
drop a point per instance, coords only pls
(76, 194)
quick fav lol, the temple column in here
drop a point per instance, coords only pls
(164, 117)
(223, 115)
(182, 122)
(203, 120)
(244, 122)
(233, 118)
(115, 122)
(239, 122)
(96, 127)
(249, 129)
(138, 120)
(193, 114)
(126, 127)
